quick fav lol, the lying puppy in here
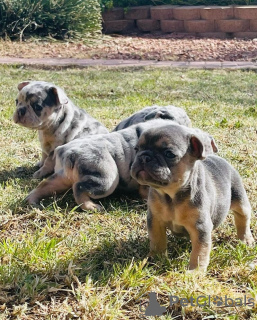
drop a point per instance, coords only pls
(191, 190)
(154, 112)
(94, 166)
(46, 108)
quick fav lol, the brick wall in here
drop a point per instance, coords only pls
(205, 21)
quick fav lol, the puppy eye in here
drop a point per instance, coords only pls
(16, 101)
(37, 107)
(169, 154)
(136, 149)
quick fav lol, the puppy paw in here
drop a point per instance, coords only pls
(38, 174)
(249, 240)
(39, 164)
(91, 206)
(32, 200)
(200, 269)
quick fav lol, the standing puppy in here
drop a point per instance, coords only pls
(46, 108)
(191, 190)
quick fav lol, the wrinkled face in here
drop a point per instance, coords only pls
(162, 156)
(37, 104)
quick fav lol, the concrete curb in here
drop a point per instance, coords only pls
(83, 63)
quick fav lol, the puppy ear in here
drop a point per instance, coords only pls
(22, 85)
(197, 149)
(213, 144)
(161, 114)
(202, 145)
(152, 115)
(60, 96)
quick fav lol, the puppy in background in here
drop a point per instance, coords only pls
(191, 190)
(154, 112)
(45, 107)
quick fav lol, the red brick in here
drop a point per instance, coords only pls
(199, 25)
(247, 35)
(232, 25)
(148, 25)
(162, 12)
(217, 13)
(187, 13)
(217, 35)
(245, 12)
(136, 13)
(113, 14)
(118, 26)
(253, 25)
(172, 26)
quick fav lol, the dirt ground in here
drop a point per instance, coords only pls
(169, 47)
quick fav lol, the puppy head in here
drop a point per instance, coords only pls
(169, 113)
(166, 155)
(161, 113)
(38, 104)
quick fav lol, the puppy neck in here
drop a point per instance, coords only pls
(59, 119)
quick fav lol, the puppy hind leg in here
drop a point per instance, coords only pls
(242, 216)
(96, 188)
(241, 208)
(56, 183)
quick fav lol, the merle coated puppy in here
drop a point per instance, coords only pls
(94, 166)
(154, 112)
(45, 107)
(191, 190)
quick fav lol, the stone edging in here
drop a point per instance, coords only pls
(53, 63)
(203, 21)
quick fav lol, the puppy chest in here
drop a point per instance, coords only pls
(175, 216)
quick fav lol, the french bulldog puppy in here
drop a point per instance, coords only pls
(45, 107)
(191, 190)
(94, 166)
(154, 112)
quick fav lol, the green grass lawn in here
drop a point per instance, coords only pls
(62, 263)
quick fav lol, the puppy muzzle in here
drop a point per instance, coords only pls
(21, 112)
(145, 157)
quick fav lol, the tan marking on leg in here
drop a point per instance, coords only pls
(157, 227)
(242, 215)
(143, 192)
(41, 162)
(47, 168)
(56, 183)
(158, 238)
(200, 254)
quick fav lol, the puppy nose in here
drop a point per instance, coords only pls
(144, 158)
(21, 112)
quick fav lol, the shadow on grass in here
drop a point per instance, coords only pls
(18, 173)
(109, 261)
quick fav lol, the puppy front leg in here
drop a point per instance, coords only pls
(47, 168)
(157, 235)
(43, 158)
(143, 192)
(201, 248)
